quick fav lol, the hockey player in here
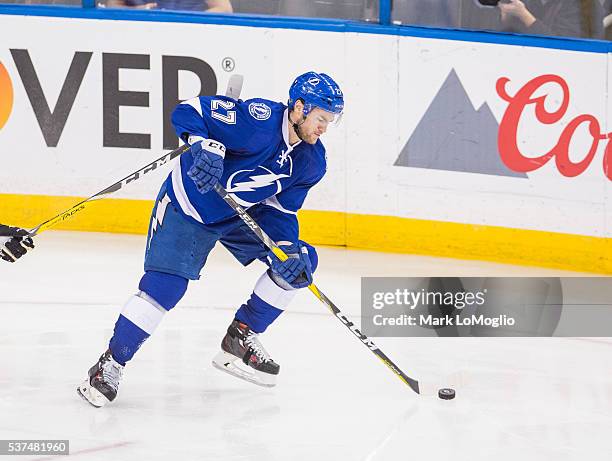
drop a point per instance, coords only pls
(268, 156)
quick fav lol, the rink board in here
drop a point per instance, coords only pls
(424, 161)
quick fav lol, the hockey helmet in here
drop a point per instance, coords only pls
(317, 90)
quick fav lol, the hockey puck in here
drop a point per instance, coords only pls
(446, 394)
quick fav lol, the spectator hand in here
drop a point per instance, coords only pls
(515, 9)
(135, 4)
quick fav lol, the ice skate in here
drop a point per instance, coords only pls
(103, 383)
(243, 356)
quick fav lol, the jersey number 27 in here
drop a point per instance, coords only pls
(230, 117)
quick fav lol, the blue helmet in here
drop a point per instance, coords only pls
(316, 90)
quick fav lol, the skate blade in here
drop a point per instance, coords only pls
(226, 363)
(91, 395)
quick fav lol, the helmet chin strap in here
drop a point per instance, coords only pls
(297, 125)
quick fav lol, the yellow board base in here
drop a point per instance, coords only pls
(107, 215)
(379, 233)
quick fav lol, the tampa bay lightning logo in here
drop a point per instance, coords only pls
(253, 186)
(260, 111)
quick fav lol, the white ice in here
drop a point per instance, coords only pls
(521, 399)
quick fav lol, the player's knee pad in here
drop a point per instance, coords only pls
(166, 289)
(312, 254)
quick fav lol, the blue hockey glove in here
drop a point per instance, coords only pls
(14, 243)
(295, 272)
(207, 165)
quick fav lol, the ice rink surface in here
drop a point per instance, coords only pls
(520, 399)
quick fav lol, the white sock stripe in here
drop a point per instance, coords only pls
(149, 299)
(272, 294)
(142, 313)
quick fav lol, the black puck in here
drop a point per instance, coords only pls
(446, 394)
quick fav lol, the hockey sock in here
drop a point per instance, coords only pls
(138, 320)
(266, 303)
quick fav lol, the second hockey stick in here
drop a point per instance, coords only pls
(280, 254)
(109, 190)
(233, 90)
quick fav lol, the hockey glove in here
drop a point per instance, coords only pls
(295, 272)
(207, 165)
(14, 243)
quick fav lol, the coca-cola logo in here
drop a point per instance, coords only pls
(508, 142)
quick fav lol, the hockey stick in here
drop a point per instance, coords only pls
(109, 190)
(280, 254)
(234, 87)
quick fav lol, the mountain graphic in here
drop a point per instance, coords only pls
(453, 136)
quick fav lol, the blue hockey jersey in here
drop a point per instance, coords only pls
(260, 167)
